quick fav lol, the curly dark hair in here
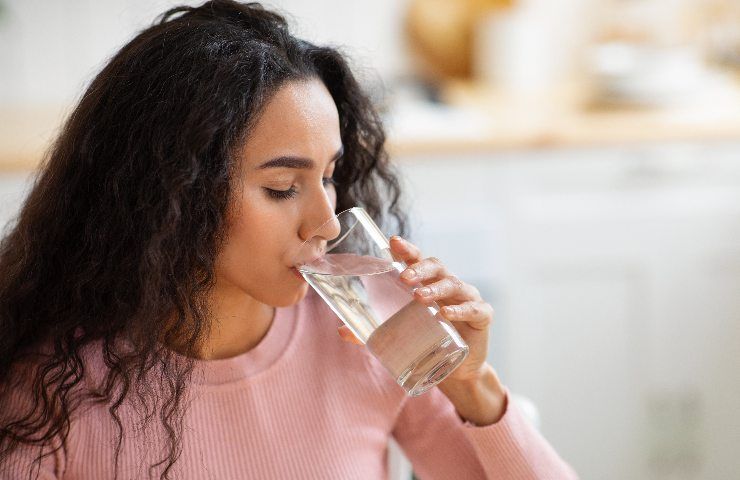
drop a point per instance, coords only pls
(142, 167)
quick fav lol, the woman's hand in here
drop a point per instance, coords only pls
(474, 387)
(461, 303)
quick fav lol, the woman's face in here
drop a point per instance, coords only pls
(275, 205)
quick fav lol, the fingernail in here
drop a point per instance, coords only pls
(400, 240)
(424, 291)
(409, 274)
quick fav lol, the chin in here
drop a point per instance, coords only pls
(290, 296)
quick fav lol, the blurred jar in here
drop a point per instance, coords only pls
(532, 46)
(721, 36)
(441, 36)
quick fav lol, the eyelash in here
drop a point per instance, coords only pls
(291, 192)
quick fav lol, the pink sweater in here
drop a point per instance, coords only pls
(304, 404)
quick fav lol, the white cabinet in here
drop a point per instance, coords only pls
(615, 274)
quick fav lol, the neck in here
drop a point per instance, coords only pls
(239, 323)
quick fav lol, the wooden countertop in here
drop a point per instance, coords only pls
(497, 121)
(568, 117)
(25, 134)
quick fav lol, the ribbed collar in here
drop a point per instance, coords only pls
(260, 358)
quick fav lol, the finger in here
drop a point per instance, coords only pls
(346, 334)
(449, 290)
(404, 251)
(477, 314)
(426, 270)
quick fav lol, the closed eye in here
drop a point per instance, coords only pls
(281, 194)
(292, 192)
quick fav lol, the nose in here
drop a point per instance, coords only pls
(319, 224)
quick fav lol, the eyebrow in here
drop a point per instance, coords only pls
(296, 162)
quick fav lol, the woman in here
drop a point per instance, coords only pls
(152, 325)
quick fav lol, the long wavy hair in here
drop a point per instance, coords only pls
(118, 236)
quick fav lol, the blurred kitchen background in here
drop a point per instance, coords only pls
(576, 160)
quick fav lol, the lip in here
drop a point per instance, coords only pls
(310, 260)
(296, 272)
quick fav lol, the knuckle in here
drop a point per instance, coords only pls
(456, 282)
(426, 267)
(417, 267)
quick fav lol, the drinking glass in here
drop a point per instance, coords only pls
(348, 262)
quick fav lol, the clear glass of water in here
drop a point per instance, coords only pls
(348, 262)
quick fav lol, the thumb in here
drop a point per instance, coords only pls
(348, 336)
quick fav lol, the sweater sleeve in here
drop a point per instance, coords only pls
(441, 445)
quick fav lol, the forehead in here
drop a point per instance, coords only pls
(300, 119)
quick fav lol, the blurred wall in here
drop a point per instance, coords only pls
(52, 49)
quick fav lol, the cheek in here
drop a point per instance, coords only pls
(259, 238)
(254, 253)
(246, 246)
(255, 238)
